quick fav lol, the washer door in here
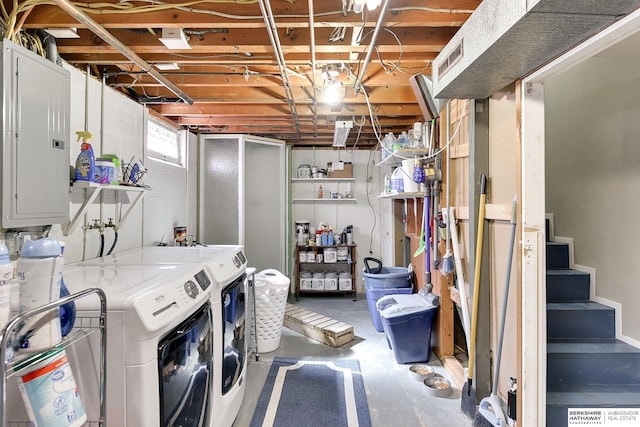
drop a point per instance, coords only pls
(185, 368)
(234, 347)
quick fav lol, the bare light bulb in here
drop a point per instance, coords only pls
(333, 91)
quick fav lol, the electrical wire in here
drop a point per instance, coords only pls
(375, 216)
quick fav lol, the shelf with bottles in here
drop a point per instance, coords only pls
(322, 179)
(401, 195)
(404, 153)
(314, 263)
(320, 192)
(91, 192)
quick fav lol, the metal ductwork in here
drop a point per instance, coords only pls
(504, 40)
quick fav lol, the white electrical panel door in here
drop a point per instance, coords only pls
(35, 167)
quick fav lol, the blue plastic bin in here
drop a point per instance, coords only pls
(406, 320)
(374, 294)
(380, 281)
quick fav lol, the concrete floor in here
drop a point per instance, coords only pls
(394, 397)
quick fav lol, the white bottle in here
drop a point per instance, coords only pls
(6, 276)
(39, 270)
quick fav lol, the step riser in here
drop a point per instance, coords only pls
(586, 369)
(568, 287)
(580, 324)
(557, 256)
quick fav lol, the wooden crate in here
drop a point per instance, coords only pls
(317, 326)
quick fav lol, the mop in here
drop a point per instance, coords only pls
(490, 407)
(425, 236)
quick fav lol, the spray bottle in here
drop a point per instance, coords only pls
(86, 161)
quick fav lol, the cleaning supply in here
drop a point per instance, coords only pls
(468, 402)
(38, 270)
(490, 407)
(104, 171)
(49, 390)
(115, 177)
(68, 310)
(86, 161)
(6, 274)
(447, 259)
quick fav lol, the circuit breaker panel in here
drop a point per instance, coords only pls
(35, 139)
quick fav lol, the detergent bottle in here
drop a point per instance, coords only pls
(86, 161)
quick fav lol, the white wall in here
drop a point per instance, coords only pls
(364, 215)
(593, 173)
(117, 124)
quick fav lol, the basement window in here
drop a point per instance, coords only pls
(164, 143)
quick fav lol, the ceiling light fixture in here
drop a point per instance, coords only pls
(333, 88)
(341, 133)
(167, 66)
(63, 33)
(333, 91)
(174, 38)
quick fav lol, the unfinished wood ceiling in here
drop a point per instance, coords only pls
(255, 66)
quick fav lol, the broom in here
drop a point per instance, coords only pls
(468, 401)
(490, 410)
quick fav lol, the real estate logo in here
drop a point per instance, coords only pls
(618, 417)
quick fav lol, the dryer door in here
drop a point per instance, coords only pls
(185, 368)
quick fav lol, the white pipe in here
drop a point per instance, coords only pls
(374, 39)
(312, 46)
(272, 30)
(98, 30)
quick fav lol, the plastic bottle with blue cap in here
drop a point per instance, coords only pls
(68, 310)
(38, 271)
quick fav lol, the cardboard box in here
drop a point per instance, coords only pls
(339, 170)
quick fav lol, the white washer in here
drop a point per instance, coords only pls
(159, 338)
(226, 266)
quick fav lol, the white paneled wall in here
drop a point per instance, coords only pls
(169, 207)
(117, 124)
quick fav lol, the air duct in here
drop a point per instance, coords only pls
(504, 40)
(341, 133)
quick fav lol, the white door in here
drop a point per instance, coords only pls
(243, 198)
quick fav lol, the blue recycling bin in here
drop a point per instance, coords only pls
(406, 321)
(383, 281)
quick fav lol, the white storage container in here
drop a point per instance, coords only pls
(311, 256)
(306, 280)
(317, 283)
(344, 281)
(330, 255)
(331, 281)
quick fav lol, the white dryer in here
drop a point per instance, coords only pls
(159, 344)
(225, 265)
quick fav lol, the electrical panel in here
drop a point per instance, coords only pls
(35, 139)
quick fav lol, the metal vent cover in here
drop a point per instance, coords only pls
(505, 39)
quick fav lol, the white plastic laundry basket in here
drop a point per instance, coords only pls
(272, 290)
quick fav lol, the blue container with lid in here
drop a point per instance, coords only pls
(406, 320)
(381, 281)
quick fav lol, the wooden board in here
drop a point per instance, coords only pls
(317, 326)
